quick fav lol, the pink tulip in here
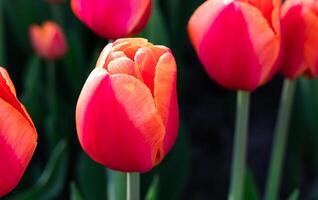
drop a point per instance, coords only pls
(300, 38)
(18, 137)
(237, 41)
(127, 113)
(113, 19)
(48, 40)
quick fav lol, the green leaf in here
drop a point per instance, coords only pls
(75, 194)
(91, 178)
(153, 191)
(52, 179)
(250, 188)
(294, 195)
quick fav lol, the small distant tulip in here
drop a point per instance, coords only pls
(113, 19)
(237, 41)
(18, 137)
(48, 40)
(300, 38)
(127, 113)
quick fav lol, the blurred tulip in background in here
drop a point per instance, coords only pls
(113, 19)
(48, 40)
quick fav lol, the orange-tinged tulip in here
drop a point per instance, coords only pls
(18, 137)
(48, 40)
(113, 19)
(127, 113)
(300, 38)
(237, 41)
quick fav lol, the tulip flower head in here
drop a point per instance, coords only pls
(113, 19)
(299, 21)
(48, 40)
(127, 112)
(18, 137)
(237, 41)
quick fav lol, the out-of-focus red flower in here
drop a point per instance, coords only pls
(18, 137)
(237, 41)
(127, 113)
(300, 38)
(48, 40)
(113, 19)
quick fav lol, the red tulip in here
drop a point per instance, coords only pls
(18, 137)
(237, 41)
(300, 38)
(48, 40)
(113, 19)
(127, 112)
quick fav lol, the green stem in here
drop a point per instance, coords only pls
(280, 138)
(239, 151)
(133, 188)
(2, 35)
(116, 185)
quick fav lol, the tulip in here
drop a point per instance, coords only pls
(127, 112)
(237, 41)
(18, 137)
(113, 19)
(300, 39)
(48, 40)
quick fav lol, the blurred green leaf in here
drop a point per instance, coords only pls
(90, 178)
(53, 178)
(75, 194)
(250, 188)
(294, 195)
(156, 30)
(153, 191)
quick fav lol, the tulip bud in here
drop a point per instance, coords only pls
(48, 40)
(18, 137)
(300, 38)
(238, 41)
(127, 113)
(113, 19)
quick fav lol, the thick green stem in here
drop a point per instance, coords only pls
(133, 188)
(116, 185)
(2, 35)
(239, 151)
(280, 138)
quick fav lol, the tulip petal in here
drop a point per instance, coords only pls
(293, 60)
(7, 93)
(226, 67)
(17, 145)
(106, 100)
(122, 65)
(109, 18)
(166, 99)
(4, 75)
(202, 19)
